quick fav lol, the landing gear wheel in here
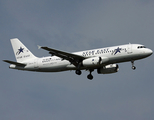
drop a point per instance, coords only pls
(78, 72)
(133, 67)
(90, 77)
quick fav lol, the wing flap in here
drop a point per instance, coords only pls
(58, 52)
(73, 58)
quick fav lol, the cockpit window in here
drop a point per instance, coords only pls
(141, 47)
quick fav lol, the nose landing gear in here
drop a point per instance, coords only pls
(133, 67)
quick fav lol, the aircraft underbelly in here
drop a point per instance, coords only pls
(124, 58)
(53, 68)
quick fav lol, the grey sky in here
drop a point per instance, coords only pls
(72, 25)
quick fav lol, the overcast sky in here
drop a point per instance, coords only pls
(74, 25)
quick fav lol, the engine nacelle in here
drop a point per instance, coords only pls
(112, 68)
(94, 61)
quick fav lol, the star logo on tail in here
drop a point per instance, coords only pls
(20, 50)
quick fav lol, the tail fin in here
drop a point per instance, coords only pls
(20, 51)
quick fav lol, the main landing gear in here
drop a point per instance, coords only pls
(133, 67)
(90, 77)
(78, 72)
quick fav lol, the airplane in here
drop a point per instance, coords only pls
(104, 60)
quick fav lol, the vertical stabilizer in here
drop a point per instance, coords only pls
(20, 51)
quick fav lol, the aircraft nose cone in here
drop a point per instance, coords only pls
(150, 52)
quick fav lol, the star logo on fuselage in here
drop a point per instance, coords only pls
(117, 50)
(20, 50)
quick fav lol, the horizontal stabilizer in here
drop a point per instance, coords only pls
(15, 63)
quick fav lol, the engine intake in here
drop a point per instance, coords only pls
(108, 69)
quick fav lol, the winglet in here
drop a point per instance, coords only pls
(39, 47)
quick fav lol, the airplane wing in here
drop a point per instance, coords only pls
(73, 58)
(15, 63)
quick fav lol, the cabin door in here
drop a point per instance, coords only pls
(129, 48)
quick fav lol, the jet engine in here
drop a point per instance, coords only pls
(108, 69)
(94, 61)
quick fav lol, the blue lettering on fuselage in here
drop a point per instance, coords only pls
(103, 51)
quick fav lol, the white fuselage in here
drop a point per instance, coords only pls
(116, 54)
